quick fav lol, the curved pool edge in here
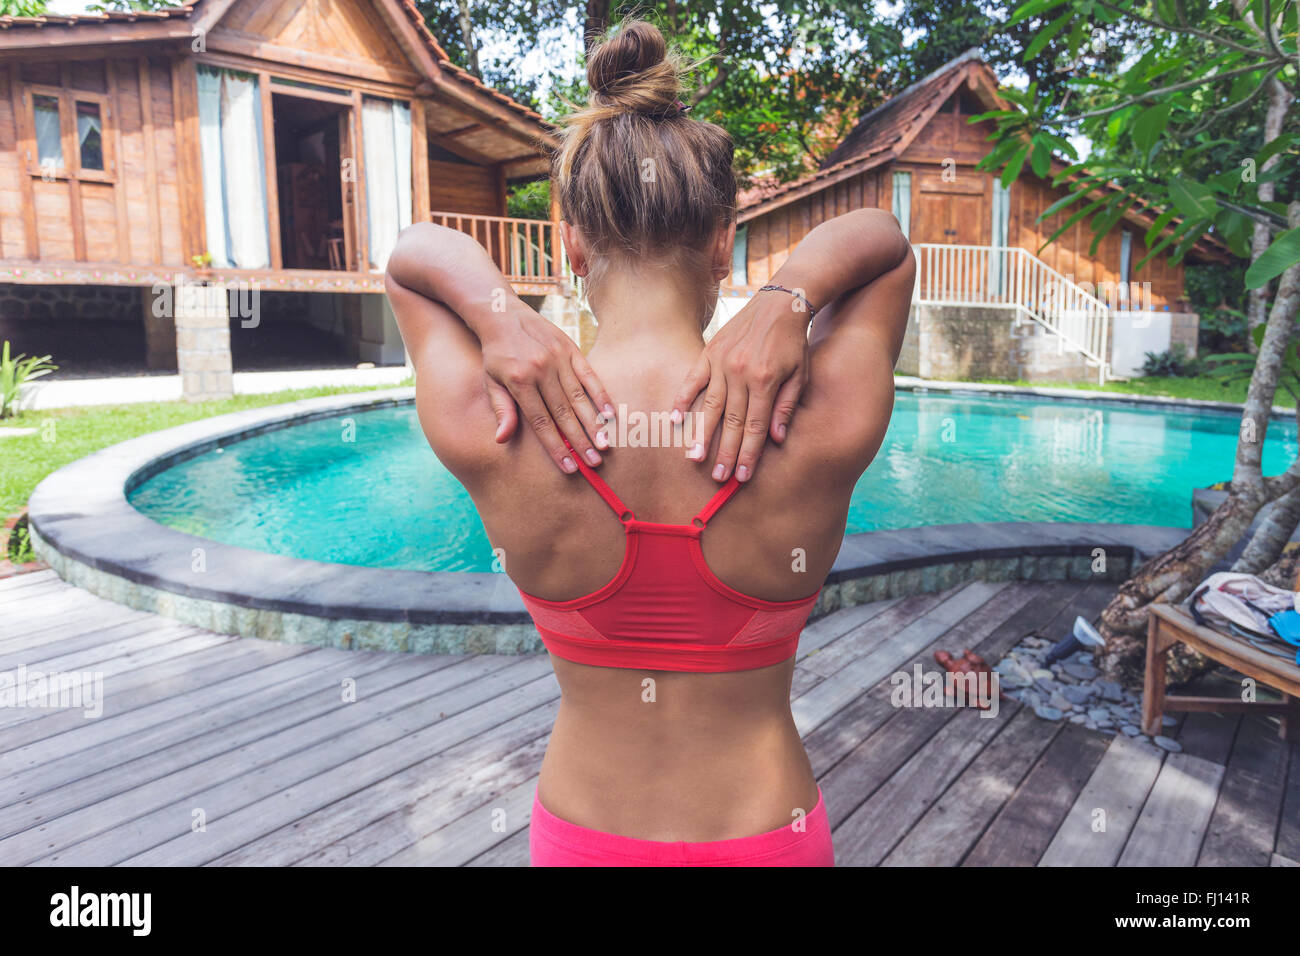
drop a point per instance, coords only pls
(84, 527)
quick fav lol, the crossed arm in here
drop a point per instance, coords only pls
(465, 328)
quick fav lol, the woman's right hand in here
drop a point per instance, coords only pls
(532, 367)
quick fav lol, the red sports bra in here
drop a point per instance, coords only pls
(664, 609)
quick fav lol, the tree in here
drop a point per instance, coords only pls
(1157, 128)
(787, 80)
(944, 29)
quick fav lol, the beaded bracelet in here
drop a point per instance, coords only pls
(780, 288)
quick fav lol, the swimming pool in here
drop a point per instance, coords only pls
(363, 488)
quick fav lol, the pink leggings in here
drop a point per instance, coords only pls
(556, 842)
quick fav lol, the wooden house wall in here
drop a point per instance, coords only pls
(953, 202)
(128, 215)
(460, 187)
(771, 237)
(147, 210)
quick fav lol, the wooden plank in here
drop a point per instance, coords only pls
(118, 166)
(1288, 827)
(269, 172)
(490, 778)
(101, 746)
(152, 199)
(420, 163)
(837, 691)
(1176, 815)
(949, 828)
(824, 654)
(119, 814)
(1244, 823)
(189, 177)
(1118, 788)
(156, 682)
(1023, 828)
(457, 841)
(72, 161)
(18, 581)
(90, 637)
(362, 262)
(23, 124)
(875, 827)
(838, 623)
(333, 769)
(510, 852)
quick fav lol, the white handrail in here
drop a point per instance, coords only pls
(1014, 277)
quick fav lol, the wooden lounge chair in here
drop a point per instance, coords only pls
(1171, 624)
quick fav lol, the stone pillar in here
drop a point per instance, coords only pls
(159, 331)
(380, 342)
(203, 342)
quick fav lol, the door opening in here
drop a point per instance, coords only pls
(315, 232)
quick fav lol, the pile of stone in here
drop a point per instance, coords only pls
(1072, 689)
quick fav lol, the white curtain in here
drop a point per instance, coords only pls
(902, 201)
(234, 170)
(49, 142)
(386, 134)
(1001, 222)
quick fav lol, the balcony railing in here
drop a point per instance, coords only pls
(525, 250)
(1015, 277)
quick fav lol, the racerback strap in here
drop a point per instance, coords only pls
(625, 514)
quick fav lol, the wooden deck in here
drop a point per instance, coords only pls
(221, 750)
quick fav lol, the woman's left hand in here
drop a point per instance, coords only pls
(752, 373)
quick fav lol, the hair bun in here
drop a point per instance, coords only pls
(635, 71)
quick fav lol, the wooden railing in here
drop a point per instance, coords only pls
(525, 250)
(1014, 277)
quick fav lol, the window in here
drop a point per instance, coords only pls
(49, 138)
(74, 119)
(902, 206)
(90, 142)
(740, 257)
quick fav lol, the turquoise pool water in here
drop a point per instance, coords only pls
(365, 489)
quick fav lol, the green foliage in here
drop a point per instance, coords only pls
(1236, 367)
(1218, 294)
(15, 372)
(1172, 363)
(22, 8)
(19, 547)
(132, 5)
(1178, 130)
(787, 80)
(530, 200)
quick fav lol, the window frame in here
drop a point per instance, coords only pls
(68, 139)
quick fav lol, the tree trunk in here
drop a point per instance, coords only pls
(1278, 102)
(596, 22)
(467, 35)
(1271, 536)
(1170, 577)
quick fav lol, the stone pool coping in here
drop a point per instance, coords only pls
(84, 527)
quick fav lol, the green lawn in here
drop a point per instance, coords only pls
(66, 434)
(1198, 387)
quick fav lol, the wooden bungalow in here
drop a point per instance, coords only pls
(988, 302)
(234, 149)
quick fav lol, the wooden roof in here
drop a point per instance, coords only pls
(883, 134)
(442, 78)
(878, 137)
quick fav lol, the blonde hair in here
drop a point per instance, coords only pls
(634, 172)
